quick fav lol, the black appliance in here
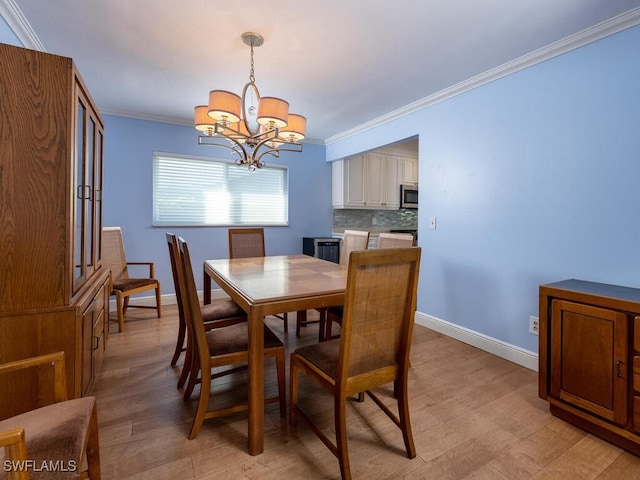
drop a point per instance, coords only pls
(322, 247)
(408, 196)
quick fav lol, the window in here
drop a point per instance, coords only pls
(197, 191)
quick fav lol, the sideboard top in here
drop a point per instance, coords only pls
(585, 289)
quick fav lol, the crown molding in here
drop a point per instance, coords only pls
(19, 25)
(173, 121)
(604, 29)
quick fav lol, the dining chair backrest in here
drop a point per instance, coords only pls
(113, 256)
(377, 323)
(246, 242)
(352, 241)
(395, 240)
(190, 300)
(172, 244)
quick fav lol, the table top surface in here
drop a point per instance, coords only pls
(285, 277)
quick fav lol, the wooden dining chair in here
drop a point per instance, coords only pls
(395, 240)
(219, 313)
(246, 243)
(354, 240)
(122, 285)
(373, 350)
(63, 433)
(385, 240)
(219, 347)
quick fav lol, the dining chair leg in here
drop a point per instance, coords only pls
(120, 309)
(341, 437)
(193, 377)
(293, 392)
(322, 325)
(187, 364)
(405, 422)
(158, 301)
(328, 325)
(282, 389)
(203, 401)
(182, 328)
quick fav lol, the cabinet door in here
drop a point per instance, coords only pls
(81, 192)
(354, 181)
(88, 356)
(408, 170)
(87, 190)
(589, 358)
(392, 186)
(375, 184)
(93, 338)
(337, 184)
(96, 220)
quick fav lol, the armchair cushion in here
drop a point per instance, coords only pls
(125, 284)
(55, 433)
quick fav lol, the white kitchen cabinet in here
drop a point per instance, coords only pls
(408, 170)
(337, 184)
(367, 181)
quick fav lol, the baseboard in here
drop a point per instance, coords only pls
(514, 354)
(150, 300)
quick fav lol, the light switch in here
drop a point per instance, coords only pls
(432, 223)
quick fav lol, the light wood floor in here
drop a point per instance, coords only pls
(474, 415)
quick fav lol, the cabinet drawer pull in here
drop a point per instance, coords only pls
(96, 343)
(619, 363)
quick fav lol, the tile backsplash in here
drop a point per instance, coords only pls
(384, 219)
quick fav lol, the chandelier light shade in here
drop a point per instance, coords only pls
(250, 126)
(273, 112)
(295, 129)
(224, 106)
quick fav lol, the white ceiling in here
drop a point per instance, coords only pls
(341, 63)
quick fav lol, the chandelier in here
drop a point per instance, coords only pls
(250, 126)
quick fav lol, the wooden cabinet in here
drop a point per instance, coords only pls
(52, 284)
(366, 181)
(589, 363)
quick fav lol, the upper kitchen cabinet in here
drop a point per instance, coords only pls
(408, 170)
(371, 180)
(53, 288)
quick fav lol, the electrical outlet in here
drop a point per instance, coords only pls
(534, 325)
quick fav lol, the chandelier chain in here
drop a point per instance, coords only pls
(252, 77)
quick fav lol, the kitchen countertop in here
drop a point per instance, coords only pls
(374, 231)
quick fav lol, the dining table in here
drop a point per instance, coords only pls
(269, 285)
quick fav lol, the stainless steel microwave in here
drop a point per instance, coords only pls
(408, 196)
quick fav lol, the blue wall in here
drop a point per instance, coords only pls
(129, 147)
(6, 34)
(533, 178)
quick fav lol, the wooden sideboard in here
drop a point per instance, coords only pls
(53, 289)
(589, 362)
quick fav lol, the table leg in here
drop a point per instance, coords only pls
(256, 381)
(206, 286)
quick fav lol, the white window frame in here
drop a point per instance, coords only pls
(210, 192)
